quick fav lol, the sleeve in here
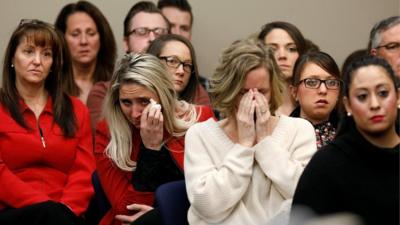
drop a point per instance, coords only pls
(79, 190)
(16, 193)
(283, 159)
(95, 102)
(115, 182)
(215, 186)
(205, 112)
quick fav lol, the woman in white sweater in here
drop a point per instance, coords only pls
(244, 168)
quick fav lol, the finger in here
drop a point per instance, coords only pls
(143, 118)
(138, 207)
(125, 218)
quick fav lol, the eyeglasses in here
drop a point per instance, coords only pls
(144, 31)
(174, 62)
(314, 83)
(391, 46)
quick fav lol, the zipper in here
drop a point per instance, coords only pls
(42, 137)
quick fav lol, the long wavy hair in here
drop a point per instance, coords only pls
(145, 70)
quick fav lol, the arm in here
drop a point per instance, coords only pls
(78, 190)
(115, 182)
(215, 184)
(283, 155)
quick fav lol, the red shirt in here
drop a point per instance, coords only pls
(117, 184)
(57, 168)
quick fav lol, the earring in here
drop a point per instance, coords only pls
(398, 106)
(12, 65)
(348, 113)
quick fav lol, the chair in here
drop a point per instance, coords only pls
(102, 203)
(172, 202)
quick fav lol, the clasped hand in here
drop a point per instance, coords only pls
(140, 210)
(252, 117)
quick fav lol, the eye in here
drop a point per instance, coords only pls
(292, 49)
(48, 53)
(28, 51)
(312, 82)
(332, 83)
(383, 93)
(361, 97)
(144, 102)
(125, 102)
(393, 46)
(173, 61)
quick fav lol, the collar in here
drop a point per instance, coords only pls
(48, 108)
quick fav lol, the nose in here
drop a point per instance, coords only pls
(152, 36)
(83, 39)
(280, 53)
(136, 111)
(179, 71)
(322, 88)
(37, 58)
(374, 102)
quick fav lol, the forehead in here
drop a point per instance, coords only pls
(149, 20)
(134, 90)
(37, 38)
(80, 19)
(174, 14)
(370, 77)
(313, 70)
(175, 48)
(392, 34)
(257, 78)
(278, 35)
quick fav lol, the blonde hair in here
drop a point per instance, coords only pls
(235, 63)
(145, 70)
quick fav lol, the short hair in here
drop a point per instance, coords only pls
(291, 29)
(235, 63)
(41, 34)
(182, 5)
(148, 71)
(107, 54)
(375, 36)
(157, 46)
(321, 59)
(347, 121)
(142, 6)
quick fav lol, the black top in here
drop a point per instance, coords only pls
(352, 175)
(325, 132)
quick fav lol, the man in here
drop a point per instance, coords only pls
(384, 41)
(143, 23)
(179, 14)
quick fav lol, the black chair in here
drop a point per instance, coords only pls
(172, 202)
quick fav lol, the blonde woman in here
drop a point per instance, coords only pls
(244, 168)
(140, 144)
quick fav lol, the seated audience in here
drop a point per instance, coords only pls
(140, 144)
(316, 88)
(244, 168)
(178, 54)
(358, 172)
(46, 153)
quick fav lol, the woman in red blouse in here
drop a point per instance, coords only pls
(140, 144)
(46, 145)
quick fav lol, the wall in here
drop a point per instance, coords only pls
(338, 27)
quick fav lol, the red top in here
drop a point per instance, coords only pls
(116, 183)
(57, 168)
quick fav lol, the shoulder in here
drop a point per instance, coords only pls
(102, 127)
(295, 124)
(100, 87)
(78, 106)
(200, 127)
(204, 112)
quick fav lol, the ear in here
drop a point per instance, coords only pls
(373, 51)
(398, 97)
(347, 105)
(126, 41)
(293, 91)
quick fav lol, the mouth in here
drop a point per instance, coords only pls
(321, 102)
(35, 71)
(284, 66)
(377, 118)
(178, 82)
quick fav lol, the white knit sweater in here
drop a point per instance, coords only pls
(228, 183)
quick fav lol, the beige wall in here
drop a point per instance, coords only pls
(337, 26)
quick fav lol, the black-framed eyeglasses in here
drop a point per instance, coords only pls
(315, 83)
(144, 31)
(174, 62)
(391, 46)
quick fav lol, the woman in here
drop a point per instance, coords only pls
(91, 45)
(140, 144)
(226, 162)
(359, 171)
(46, 157)
(288, 44)
(174, 51)
(316, 87)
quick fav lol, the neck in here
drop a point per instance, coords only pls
(229, 126)
(313, 120)
(386, 139)
(34, 96)
(84, 72)
(288, 102)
